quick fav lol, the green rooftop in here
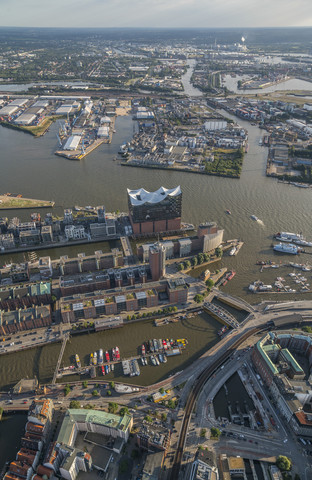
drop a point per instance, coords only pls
(81, 415)
(290, 359)
(263, 350)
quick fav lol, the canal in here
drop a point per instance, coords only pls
(200, 332)
(11, 429)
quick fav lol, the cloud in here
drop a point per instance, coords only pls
(155, 13)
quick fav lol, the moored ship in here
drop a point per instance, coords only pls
(100, 360)
(77, 359)
(287, 248)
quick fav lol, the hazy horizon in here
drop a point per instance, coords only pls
(155, 14)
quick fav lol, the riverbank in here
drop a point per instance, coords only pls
(180, 169)
(35, 130)
(8, 202)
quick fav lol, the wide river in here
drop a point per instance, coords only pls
(28, 166)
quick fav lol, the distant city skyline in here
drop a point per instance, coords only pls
(155, 13)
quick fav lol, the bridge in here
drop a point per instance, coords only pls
(221, 314)
(65, 339)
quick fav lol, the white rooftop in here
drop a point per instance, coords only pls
(142, 196)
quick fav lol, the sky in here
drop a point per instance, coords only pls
(155, 13)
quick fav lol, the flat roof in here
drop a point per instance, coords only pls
(236, 463)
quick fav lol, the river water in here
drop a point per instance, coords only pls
(28, 166)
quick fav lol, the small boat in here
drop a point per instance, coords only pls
(112, 367)
(253, 217)
(78, 363)
(228, 212)
(157, 361)
(103, 370)
(164, 358)
(95, 358)
(143, 349)
(107, 356)
(117, 353)
(232, 251)
(100, 360)
(91, 358)
(106, 369)
(153, 360)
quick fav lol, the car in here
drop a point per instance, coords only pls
(11, 344)
(25, 401)
(286, 440)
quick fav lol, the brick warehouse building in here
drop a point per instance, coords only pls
(153, 212)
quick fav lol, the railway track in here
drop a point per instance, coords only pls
(197, 387)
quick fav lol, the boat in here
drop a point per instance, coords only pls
(231, 275)
(151, 346)
(253, 217)
(153, 360)
(232, 251)
(160, 344)
(155, 345)
(78, 363)
(100, 360)
(222, 330)
(260, 142)
(164, 358)
(143, 361)
(103, 370)
(117, 353)
(287, 248)
(228, 212)
(106, 369)
(95, 358)
(165, 346)
(157, 361)
(289, 236)
(143, 349)
(91, 358)
(107, 356)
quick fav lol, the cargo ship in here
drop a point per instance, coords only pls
(78, 363)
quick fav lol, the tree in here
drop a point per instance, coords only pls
(66, 390)
(164, 417)
(187, 264)
(215, 432)
(161, 390)
(74, 404)
(218, 252)
(171, 403)
(194, 261)
(206, 257)
(109, 393)
(148, 418)
(112, 407)
(123, 411)
(95, 393)
(198, 298)
(209, 284)
(112, 384)
(203, 433)
(283, 463)
(180, 267)
(85, 384)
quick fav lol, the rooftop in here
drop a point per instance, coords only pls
(142, 196)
